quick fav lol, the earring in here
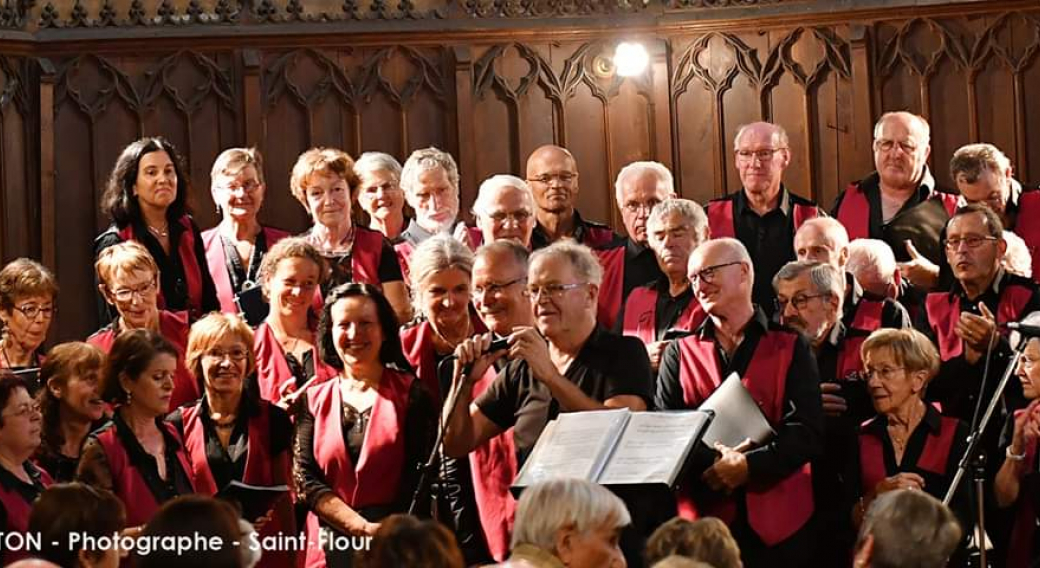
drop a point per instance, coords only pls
(129, 397)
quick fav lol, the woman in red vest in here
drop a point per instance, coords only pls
(129, 282)
(235, 246)
(322, 181)
(147, 199)
(27, 295)
(138, 456)
(70, 400)
(286, 344)
(21, 482)
(1016, 485)
(230, 434)
(908, 445)
(360, 438)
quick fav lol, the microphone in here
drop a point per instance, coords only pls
(1023, 328)
(497, 344)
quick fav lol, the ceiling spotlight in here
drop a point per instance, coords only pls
(631, 59)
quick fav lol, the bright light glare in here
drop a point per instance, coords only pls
(631, 59)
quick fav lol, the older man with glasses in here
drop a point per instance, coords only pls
(763, 493)
(504, 209)
(763, 215)
(552, 172)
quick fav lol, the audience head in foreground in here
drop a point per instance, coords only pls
(907, 528)
(403, 541)
(706, 540)
(572, 520)
(194, 516)
(77, 509)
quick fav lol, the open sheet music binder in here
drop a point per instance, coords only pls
(614, 447)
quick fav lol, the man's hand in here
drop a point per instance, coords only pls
(461, 234)
(474, 351)
(833, 403)
(730, 470)
(527, 344)
(900, 481)
(920, 271)
(655, 350)
(976, 331)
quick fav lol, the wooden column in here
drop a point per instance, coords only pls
(252, 101)
(463, 56)
(48, 228)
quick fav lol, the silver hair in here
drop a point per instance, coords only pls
(489, 186)
(509, 247)
(424, 160)
(378, 161)
(829, 226)
(922, 125)
(665, 179)
(437, 253)
(782, 140)
(691, 213)
(824, 277)
(548, 507)
(1017, 259)
(872, 257)
(900, 521)
(580, 257)
(972, 159)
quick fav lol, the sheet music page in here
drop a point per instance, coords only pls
(653, 447)
(574, 446)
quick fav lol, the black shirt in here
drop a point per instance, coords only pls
(28, 491)
(640, 267)
(608, 365)
(893, 313)
(540, 238)
(769, 239)
(667, 308)
(389, 269)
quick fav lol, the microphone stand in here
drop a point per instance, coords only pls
(428, 470)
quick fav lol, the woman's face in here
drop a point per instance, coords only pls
(597, 548)
(1028, 370)
(891, 386)
(28, 321)
(151, 391)
(445, 297)
(156, 183)
(380, 194)
(20, 433)
(239, 196)
(328, 200)
(135, 295)
(291, 287)
(224, 366)
(356, 330)
(79, 396)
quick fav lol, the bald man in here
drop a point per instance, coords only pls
(552, 173)
(763, 215)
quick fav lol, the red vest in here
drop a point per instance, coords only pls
(778, 510)
(494, 466)
(365, 256)
(417, 343)
(192, 270)
(866, 319)
(475, 237)
(404, 250)
(17, 510)
(1027, 227)
(377, 475)
(641, 315)
(1020, 547)
(596, 236)
(720, 217)
(261, 469)
(272, 372)
(127, 482)
(854, 211)
(933, 458)
(944, 310)
(174, 327)
(609, 302)
(217, 262)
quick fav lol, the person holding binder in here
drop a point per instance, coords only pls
(28, 292)
(763, 492)
(230, 434)
(235, 247)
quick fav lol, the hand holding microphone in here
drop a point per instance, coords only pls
(475, 355)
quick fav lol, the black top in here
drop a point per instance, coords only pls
(301, 370)
(420, 429)
(667, 308)
(239, 272)
(389, 269)
(608, 365)
(61, 467)
(799, 435)
(769, 239)
(540, 238)
(172, 281)
(28, 491)
(640, 267)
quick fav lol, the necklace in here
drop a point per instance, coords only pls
(7, 363)
(162, 233)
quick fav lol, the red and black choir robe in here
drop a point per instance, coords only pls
(273, 375)
(494, 466)
(641, 315)
(16, 511)
(218, 267)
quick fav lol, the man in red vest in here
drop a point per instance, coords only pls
(629, 262)
(763, 215)
(764, 493)
(900, 198)
(552, 172)
(504, 209)
(873, 265)
(675, 228)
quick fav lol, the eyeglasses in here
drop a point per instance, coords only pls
(708, 274)
(889, 145)
(248, 187)
(495, 289)
(763, 155)
(386, 187)
(552, 291)
(127, 294)
(635, 207)
(31, 311)
(973, 242)
(563, 177)
(26, 409)
(799, 302)
(236, 354)
(884, 373)
(517, 217)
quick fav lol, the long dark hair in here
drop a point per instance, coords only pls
(119, 202)
(63, 361)
(131, 354)
(391, 354)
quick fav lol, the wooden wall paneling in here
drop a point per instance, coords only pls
(1027, 159)
(252, 103)
(862, 108)
(660, 104)
(465, 123)
(695, 123)
(48, 202)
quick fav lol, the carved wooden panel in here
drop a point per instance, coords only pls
(19, 200)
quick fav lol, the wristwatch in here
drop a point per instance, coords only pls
(1014, 457)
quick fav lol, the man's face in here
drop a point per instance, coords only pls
(553, 177)
(507, 215)
(673, 239)
(435, 200)
(761, 160)
(991, 188)
(559, 298)
(719, 279)
(970, 249)
(639, 194)
(500, 292)
(803, 308)
(814, 244)
(900, 152)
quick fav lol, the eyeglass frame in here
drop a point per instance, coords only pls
(799, 301)
(552, 291)
(881, 143)
(221, 355)
(635, 208)
(251, 186)
(884, 374)
(564, 178)
(515, 216)
(140, 291)
(495, 289)
(26, 409)
(707, 274)
(764, 155)
(36, 311)
(955, 243)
